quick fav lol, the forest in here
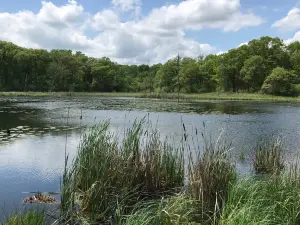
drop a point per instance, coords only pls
(265, 65)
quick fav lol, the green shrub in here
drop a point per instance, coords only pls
(280, 82)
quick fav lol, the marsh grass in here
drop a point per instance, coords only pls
(210, 176)
(172, 211)
(134, 182)
(267, 200)
(223, 96)
(106, 176)
(268, 157)
(174, 96)
(31, 217)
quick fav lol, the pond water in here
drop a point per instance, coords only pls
(32, 156)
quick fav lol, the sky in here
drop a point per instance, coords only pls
(146, 31)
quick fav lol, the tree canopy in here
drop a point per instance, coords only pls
(264, 64)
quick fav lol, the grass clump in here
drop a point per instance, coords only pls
(28, 218)
(172, 211)
(264, 201)
(210, 177)
(141, 183)
(268, 157)
(106, 177)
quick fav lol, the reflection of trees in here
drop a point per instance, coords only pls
(13, 116)
(223, 107)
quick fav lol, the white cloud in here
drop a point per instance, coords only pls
(221, 52)
(64, 16)
(52, 27)
(198, 14)
(290, 22)
(106, 19)
(155, 37)
(296, 37)
(243, 43)
(128, 6)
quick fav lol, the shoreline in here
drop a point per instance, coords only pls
(169, 96)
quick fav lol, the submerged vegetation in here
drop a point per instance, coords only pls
(265, 65)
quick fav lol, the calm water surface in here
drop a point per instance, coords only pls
(32, 157)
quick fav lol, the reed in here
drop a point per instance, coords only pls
(32, 217)
(268, 157)
(172, 211)
(267, 200)
(210, 176)
(106, 176)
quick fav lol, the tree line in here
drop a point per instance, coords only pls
(263, 65)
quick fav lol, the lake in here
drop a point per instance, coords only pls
(32, 157)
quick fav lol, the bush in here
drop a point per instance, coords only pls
(280, 82)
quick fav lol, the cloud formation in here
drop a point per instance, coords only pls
(296, 37)
(155, 37)
(289, 23)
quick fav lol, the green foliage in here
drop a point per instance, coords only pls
(268, 157)
(28, 218)
(254, 72)
(264, 201)
(106, 176)
(210, 177)
(280, 82)
(172, 211)
(295, 59)
(243, 69)
(133, 182)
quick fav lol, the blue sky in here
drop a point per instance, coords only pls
(138, 31)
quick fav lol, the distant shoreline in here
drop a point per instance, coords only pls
(172, 96)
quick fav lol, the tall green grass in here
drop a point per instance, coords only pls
(143, 182)
(268, 157)
(171, 211)
(106, 176)
(264, 201)
(210, 176)
(31, 217)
